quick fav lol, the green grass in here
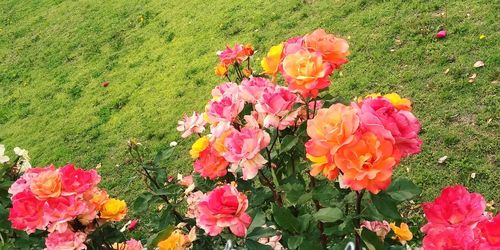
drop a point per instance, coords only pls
(159, 58)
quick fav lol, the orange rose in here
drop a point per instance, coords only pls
(402, 233)
(47, 184)
(330, 129)
(367, 162)
(306, 72)
(114, 210)
(248, 50)
(176, 241)
(221, 70)
(334, 50)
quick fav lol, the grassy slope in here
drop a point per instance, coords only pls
(159, 59)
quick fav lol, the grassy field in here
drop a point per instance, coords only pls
(158, 58)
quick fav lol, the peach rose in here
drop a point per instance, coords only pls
(47, 184)
(334, 50)
(306, 72)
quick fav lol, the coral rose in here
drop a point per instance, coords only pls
(447, 238)
(270, 63)
(334, 50)
(113, 210)
(65, 240)
(46, 184)
(27, 212)
(211, 164)
(367, 162)
(306, 72)
(77, 181)
(399, 126)
(243, 149)
(330, 129)
(224, 207)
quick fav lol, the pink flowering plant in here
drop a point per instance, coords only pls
(278, 163)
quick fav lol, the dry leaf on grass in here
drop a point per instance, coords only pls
(479, 64)
(472, 78)
(442, 159)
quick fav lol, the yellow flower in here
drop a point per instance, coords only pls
(176, 241)
(272, 60)
(198, 146)
(402, 233)
(221, 70)
(114, 210)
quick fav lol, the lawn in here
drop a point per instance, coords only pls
(158, 58)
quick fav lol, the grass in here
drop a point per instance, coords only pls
(158, 59)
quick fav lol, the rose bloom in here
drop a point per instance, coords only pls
(380, 228)
(396, 100)
(306, 72)
(131, 244)
(77, 181)
(113, 210)
(198, 146)
(490, 230)
(448, 238)
(401, 127)
(27, 212)
(189, 125)
(46, 184)
(96, 197)
(294, 44)
(221, 70)
(243, 149)
(402, 233)
(237, 54)
(176, 241)
(367, 162)
(270, 63)
(334, 50)
(224, 207)
(277, 101)
(455, 207)
(251, 89)
(192, 201)
(59, 211)
(273, 241)
(211, 164)
(185, 181)
(65, 240)
(248, 50)
(230, 89)
(226, 109)
(330, 129)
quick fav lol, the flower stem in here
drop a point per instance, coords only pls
(321, 226)
(359, 197)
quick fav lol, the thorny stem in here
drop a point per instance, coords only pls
(359, 197)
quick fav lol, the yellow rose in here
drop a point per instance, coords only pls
(221, 70)
(176, 241)
(402, 233)
(198, 146)
(114, 210)
(272, 60)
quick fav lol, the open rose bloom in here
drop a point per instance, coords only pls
(56, 200)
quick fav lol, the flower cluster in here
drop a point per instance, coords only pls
(66, 202)
(457, 220)
(364, 141)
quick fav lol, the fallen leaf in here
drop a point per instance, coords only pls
(479, 64)
(473, 175)
(105, 84)
(446, 71)
(489, 121)
(442, 159)
(472, 78)
(98, 166)
(482, 36)
(495, 82)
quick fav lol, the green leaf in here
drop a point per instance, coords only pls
(258, 220)
(163, 155)
(254, 245)
(371, 240)
(288, 143)
(262, 232)
(305, 222)
(294, 242)
(155, 238)
(329, 214)
(141, 203)
(386, 205)
(310, 244)
(285, 219)
(402, 189)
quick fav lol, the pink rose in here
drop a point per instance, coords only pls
(65, 240)
(379, 116)
(243, 149)
(59, 211)
(251, 89)
(232, 55)
(186, 181)
(224, 207)
(194, 124)
(293, 45)
(230, 89)
(192, 201)
(273, 241)
(276, 104)
(27, 212)
(490, 230)
(225, 109)
(76, 180)
(449, 238)
(133, 244)
(381, 228)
